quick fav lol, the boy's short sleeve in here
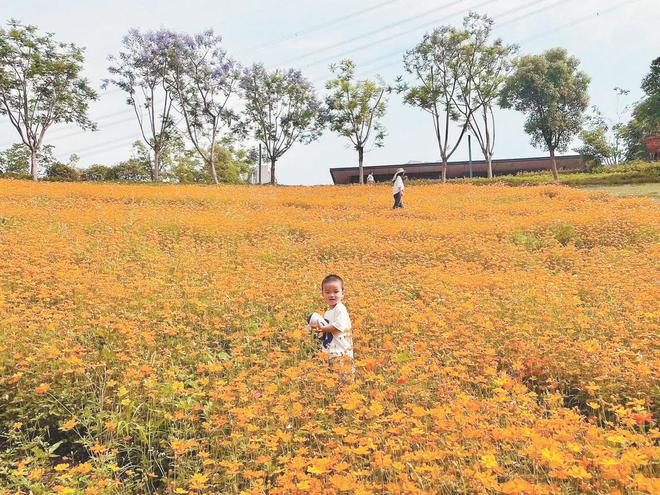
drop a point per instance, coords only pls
(340, 320)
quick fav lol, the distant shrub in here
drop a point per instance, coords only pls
(96, 173)
(16, 176)
(62, 172)
(132, 170)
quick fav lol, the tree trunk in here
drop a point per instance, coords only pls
(272, 171)
(33, 164)
(444, 170)
(553, 164)
(489, 164)
(214, 174)
(360, 151)
(155, 173)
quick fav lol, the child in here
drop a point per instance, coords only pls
(335, 325)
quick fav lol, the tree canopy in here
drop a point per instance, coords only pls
(281, 107)
(355, 109)
(553, 94)
(41, 85)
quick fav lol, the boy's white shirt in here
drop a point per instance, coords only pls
(342, 343)
(398, 185)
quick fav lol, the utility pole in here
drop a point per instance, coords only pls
(470, 152)
(259, 163)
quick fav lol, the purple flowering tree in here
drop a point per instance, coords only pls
(203, 80)
(282, 108)
(141, 70)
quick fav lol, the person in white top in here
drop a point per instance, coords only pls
(397, 188)
(334, 328)
(370, 178)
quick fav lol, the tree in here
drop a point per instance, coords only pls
(96, 173)
(40, 85)
(552, 92)
(595, 148)
(233, 163)
(282, 108)
(486, 68)
(645, 119)
(131, 170)
(62, 172)
(355, 107)
(141, 71)
(438, 64)
(15, 161)
(602, 139)
(203, 79)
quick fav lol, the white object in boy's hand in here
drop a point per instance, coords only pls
(315, 320)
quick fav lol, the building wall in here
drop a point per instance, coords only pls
(433, 170)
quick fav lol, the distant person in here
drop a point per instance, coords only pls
(370, 178)
(334, 327)
(397, 188)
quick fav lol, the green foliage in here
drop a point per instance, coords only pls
(234, 162)
(553, 94)
(355, 108)
(96, 173)
(635, 172)
(534, 240)
(62, 172)
(457, 78)
(15, 161)
(233, 165)
(595, 148)
(40, 84)
(188, 168)
(488, 64)
(281, 108)
(651, 82)
(645, 119)
(131, 170)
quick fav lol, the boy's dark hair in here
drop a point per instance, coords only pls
(332, 278)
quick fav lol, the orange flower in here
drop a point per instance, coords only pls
(42, 389)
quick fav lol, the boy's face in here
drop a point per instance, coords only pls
(333, 293)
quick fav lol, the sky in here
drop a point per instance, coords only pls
(615, 41)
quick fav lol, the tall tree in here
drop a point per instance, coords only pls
(203, 80)
(486, 67)
(140, 70)
(438, 64)
(355, 107)
(645, 119)
(40, 85)
(553, 94)
(282, 108)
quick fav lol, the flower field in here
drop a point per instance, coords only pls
(152, 340)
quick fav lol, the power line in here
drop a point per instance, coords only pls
(370, 33)
(510, 21)
(99, 145)
(317, 27)
(580, 20)
(388, 38)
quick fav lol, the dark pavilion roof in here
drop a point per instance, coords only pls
(432, 170)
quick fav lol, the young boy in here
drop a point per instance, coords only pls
(335, 325)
